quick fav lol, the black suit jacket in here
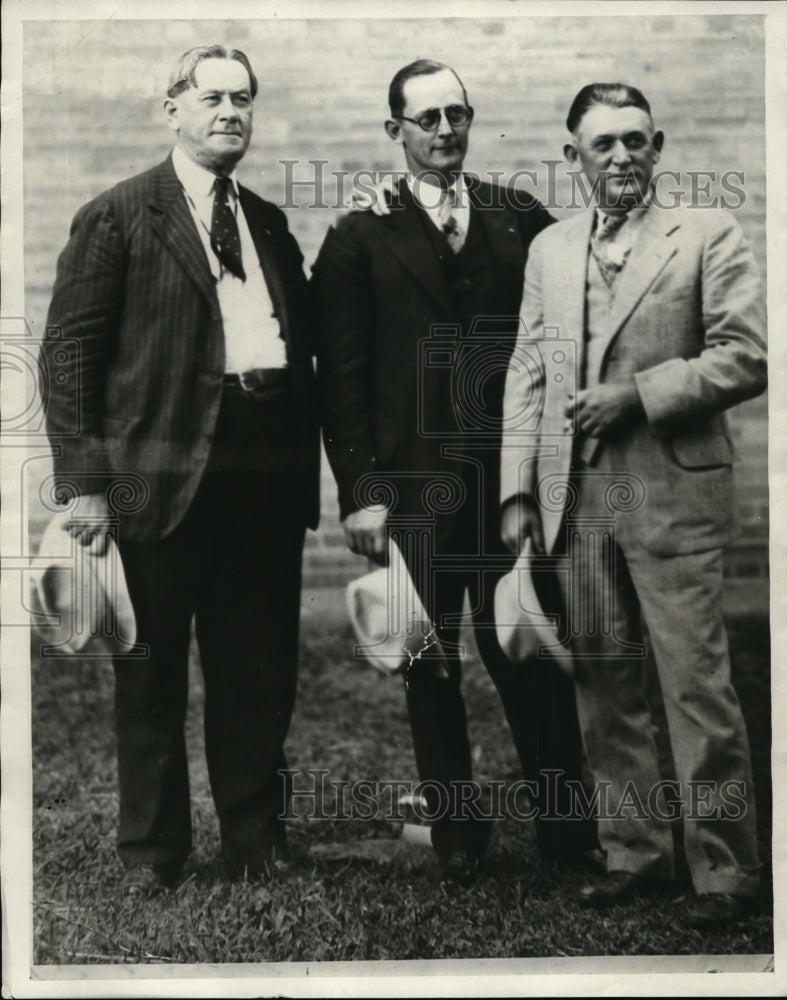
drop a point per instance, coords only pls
(387, 326)
(134, 351)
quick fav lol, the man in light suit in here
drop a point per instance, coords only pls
(418, 315)
(198, 446)
(648, 324)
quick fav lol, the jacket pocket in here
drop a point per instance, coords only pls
(702, 450)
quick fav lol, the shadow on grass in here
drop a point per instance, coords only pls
(352, 722)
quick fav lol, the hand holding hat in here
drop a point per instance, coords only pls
(390, 622)
(523, 629)
(81, 589)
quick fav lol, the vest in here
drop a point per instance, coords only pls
(469, 274)
(598, 303)
(473, 294)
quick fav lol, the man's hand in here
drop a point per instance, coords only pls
(364, 532)
(604, 408)
(374, 198)
(90, 521)
(520, 520)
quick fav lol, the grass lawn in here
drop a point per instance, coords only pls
(352, 722)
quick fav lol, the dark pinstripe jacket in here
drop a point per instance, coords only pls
(133, 357)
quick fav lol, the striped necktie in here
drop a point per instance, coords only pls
(609, 263)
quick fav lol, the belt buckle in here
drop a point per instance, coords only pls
(249, 380)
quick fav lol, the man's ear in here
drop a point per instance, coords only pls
(658, 141)
(394, 130)
(570, 153)
(171, 111)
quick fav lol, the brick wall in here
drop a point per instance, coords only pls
(92, 116)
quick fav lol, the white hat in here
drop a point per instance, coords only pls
(390, 622)
(84, 595)
(523, 630)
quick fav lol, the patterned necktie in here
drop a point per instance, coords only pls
(454, 233)
(609, 262)
(224, 235)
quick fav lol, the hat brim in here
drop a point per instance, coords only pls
(83, 593)
(524, 631)
(390, 622)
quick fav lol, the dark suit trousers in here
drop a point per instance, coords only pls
(233, 565)
(537, 697)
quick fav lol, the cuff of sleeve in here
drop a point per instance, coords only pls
(656, 387)
(83, 470)
(358, 495)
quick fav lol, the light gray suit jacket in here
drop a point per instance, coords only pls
(687, 323)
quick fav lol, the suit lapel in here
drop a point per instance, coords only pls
(174, 224)
(501, 233)
(263, 243)
(411, 246)
(648, 257)
(568, 279)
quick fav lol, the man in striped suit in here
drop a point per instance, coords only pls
(191, 379)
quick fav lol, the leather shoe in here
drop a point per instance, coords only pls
(149, 880)
(459, 866)
(616, 887)
(717, 908)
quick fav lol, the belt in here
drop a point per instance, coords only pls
(256, 378)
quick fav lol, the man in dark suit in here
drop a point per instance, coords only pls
(198, 445)
(418, 316)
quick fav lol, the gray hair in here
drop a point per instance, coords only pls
(183, 72)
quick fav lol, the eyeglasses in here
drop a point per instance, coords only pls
(455, 114)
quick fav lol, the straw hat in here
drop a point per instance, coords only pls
(82, 593)
(523, 629)
(390, 622)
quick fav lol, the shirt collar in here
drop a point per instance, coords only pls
(633, 214)
(196, 180)
(432, 206)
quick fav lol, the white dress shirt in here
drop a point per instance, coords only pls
(251, 331)
(430, 197)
